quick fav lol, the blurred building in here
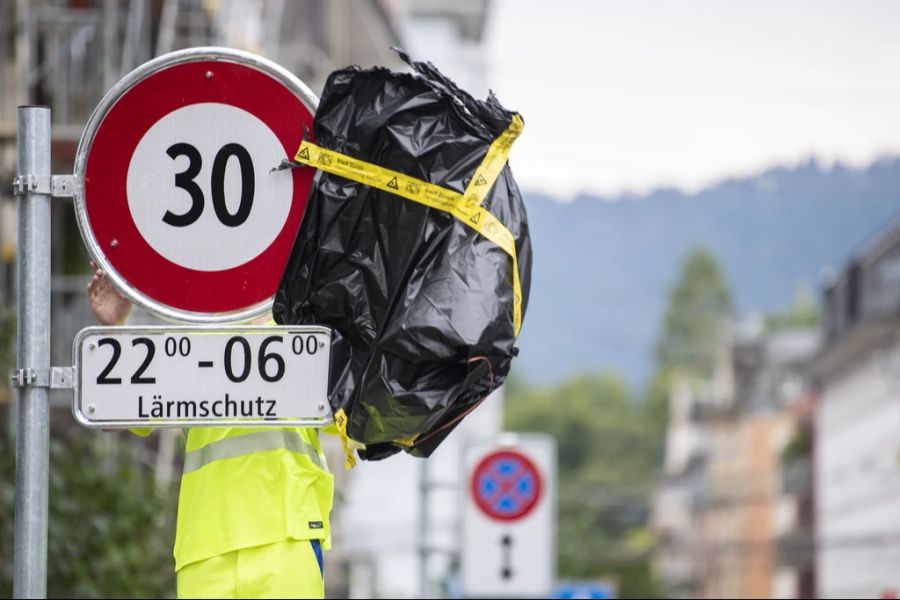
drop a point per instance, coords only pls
(679, 494)
(726, 507)
(756, 499)
(857, 468)
(68, 53)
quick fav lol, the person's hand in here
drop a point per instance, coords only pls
(109, 306)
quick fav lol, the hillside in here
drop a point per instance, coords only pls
(603, 266)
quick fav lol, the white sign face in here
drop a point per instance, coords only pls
(509, 517)
(189, 376)
(223, 186)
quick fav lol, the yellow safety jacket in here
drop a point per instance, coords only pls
(250, 486)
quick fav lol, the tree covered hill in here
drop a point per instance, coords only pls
(603, 266)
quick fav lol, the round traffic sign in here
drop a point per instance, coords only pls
(506, 485)
(177, 197)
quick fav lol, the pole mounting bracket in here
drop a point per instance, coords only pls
(58, 186)
(56, 378)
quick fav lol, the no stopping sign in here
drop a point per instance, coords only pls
(506, 485)
(176, 196)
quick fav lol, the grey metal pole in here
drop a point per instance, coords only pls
(24, 47)
(32, 441)
(423, 528)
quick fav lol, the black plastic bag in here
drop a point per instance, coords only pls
(420, 303)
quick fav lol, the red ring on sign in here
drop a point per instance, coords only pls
(488, 503)
(106, 173)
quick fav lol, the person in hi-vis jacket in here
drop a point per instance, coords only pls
(254, 502)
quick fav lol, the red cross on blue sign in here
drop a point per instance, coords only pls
(506, 485)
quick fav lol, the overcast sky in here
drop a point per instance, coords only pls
(633, 95)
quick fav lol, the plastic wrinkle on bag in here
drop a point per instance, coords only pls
(414, 249)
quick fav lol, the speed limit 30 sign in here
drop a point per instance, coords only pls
(177, 197)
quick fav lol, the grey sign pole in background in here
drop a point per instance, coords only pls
(33, 189)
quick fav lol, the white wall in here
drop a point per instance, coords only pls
(857, 478)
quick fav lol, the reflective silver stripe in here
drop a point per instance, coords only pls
(258, 441)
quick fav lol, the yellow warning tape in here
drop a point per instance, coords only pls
(466, 207)
(408, 441)
(494, 161)
(340, 420)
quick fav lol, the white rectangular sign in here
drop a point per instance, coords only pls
(509, 517)
(201, 375)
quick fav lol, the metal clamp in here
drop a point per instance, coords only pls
(23, 378)
(58, 186)
(56, 378)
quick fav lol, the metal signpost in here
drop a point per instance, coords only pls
(509, 517)
(32, 187)
(178, 200)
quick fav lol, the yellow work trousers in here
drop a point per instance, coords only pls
(289, 569)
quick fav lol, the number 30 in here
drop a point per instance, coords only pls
(185, 180)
